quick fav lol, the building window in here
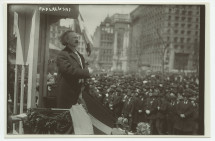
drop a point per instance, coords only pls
(182, 25)
(196, 32)
(183, 18)
(189, 19)
(169, 17)
(188, 32)
(197, 26)
(176, 18)
(181, 61)
(183, 12)
(190, 13)
(182, 40)
(182, 32)
(175, 39)
(189, 25)
(188, 39)
(197, 19)
(176, 31)
(176, 24)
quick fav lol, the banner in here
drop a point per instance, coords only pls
(19, 52)
(85, 33)
(31, 43)
(98, 111)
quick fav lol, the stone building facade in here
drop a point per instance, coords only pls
(165, 34)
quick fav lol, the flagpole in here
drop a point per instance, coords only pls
(15, 95)
(32, 60)
(22, 98)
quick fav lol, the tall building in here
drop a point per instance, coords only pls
(111, 41)
(165, 34)
(103, 41)
(121, 24)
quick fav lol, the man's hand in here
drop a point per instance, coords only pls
(129, 115)
(182, 115)
(90, 70)
(147, 112)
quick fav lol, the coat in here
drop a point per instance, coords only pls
(161, 112)
(139, 113)
(128, 108)
(171, 111)
(117, 105)
(184, 124)
(69, 74)
(151, 105)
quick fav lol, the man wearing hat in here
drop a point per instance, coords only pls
(160, 114)
(195, 114)
(171, 113)
(106, 99)
(128, 109)
(138, 112)
(184, 112)
(117, 103)
(150, 111)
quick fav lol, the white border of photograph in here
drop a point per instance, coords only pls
(208, 92)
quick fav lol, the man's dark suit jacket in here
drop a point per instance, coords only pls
(69, 73)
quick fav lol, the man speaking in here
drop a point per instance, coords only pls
(71, 74)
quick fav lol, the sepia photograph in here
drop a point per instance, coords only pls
(105, 69)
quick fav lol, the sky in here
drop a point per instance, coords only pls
(93, 15)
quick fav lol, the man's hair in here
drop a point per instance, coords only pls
(63, 37)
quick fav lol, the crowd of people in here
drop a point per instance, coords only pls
(169, 103)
